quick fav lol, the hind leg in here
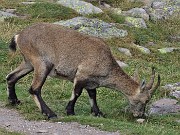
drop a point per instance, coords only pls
(94, 107)
(23, 69)
(41, 71)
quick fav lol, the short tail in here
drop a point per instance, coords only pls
(12, 45)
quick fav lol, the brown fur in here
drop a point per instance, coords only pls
(54, 50)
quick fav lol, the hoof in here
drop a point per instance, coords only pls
(14, 101)
(52, 116)
(70, 113)
(99, 114)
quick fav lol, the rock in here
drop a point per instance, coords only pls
(4, 15)
(146, 2)
(143, 49)
(135, 22)
(163, 9)
(137, 13)
(121, 64)
(175, 94)
(140, 121)
(42, 131)
(167, 50)
(116, 11)
(11, 10)
(158, 5)
(174, 38)
(174, 89)
(105, 5)
(94, 27)
(125, 51)
(151, 44)
(81, 7)
(28, 3)
(165, 106)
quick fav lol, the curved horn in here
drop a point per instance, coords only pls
(150, 84)
(136, 76)
(156, 86)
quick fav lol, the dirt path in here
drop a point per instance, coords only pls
(12, 121)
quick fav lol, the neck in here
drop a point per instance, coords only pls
(119, 80)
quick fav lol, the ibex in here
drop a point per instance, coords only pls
(57, 51)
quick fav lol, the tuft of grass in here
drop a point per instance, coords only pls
(5, 132)
(47, 10)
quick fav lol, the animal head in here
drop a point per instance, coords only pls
(139, 101)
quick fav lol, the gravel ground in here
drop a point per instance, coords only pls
(12, 121)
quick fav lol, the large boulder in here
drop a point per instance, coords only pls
(94, 27)
(81, 7)
(165, 106)
(163, 9)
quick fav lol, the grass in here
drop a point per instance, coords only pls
(57, 92)
(5, 132)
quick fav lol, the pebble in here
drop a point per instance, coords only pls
(140, 121)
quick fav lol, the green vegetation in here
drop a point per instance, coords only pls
(5, 132)
(57, 92)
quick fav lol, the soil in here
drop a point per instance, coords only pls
(11, 120)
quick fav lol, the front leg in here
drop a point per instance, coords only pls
(94, 108)
(75, 94)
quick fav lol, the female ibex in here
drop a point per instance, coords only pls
(54, 50)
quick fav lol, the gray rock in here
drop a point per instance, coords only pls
(174, 89)
(11, 10)
(137, 13)
(165, 106)
(81, 7)
(94, 27)
(125, 51)
(158, 5)
(175, 94)
(167, 50)
(4, 15)
(174, 38)
(135, 22)
(163, 9)
(28, 3)
(121, 64)
(143, 49)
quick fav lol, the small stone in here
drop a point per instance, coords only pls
(143, 49)
(167, 50)
(28, 3)
(125, 51)
(121, 64)
(140, 121)
(42, 131)
(158, 5)
(151, 44)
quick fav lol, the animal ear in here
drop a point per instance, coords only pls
(136, 76)
(143, 85)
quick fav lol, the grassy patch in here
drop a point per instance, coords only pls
(5, 132)
(57, 92)
(47, 10)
